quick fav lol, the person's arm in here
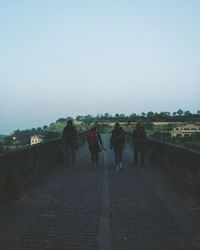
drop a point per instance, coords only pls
(111, 145)
(63, 134)
(75, 133)
(100, 141)
(123, 137)
(133, 138)
(144, 135)
(99, 138)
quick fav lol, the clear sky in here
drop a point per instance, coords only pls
(72, 57)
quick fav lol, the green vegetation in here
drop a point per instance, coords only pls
(192, 141)
(157, 125)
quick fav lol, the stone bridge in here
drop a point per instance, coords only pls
(46, 205)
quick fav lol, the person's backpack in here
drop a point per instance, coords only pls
(118, 136)
(139, 135)
(92, 138)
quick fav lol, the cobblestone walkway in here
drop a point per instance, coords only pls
(139, 218)
(104, 209)
(71, 218)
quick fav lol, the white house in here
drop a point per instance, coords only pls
(185, 130)
(36, 139)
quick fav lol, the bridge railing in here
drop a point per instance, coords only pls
(18, 168)
(183, 162)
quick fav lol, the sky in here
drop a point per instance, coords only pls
(72, 57)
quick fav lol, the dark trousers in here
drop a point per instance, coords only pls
(118, 151)
(139, 154)
(69, 152)
(94, 151)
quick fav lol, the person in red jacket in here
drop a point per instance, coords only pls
(139, 139)
(95, 145)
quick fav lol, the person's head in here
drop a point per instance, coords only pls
(69, 122)
(138, 124)
(117, 125)
(93, 128)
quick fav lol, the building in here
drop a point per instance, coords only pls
(36, 139)
(185, 130)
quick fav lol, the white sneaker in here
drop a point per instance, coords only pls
(121, 166)
(117, 168)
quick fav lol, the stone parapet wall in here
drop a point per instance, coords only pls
(183, 162)
(18, 168)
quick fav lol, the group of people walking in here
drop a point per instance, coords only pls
(95, 144)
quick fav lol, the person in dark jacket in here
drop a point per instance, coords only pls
(117, 142)
(139, 139)
(70, 139)
(95, 145)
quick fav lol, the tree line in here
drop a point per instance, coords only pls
(178, 115)
(23, 136)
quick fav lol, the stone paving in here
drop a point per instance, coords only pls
(105, 209)
(139, 218)
(70, 220)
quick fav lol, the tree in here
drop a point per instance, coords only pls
(61, 120)
(122, 115)
(187, 113)
(33, 131)
(150, 114)
(148, 124)
(106, 115)
(164, 114)
(17, 133)
(88, 117)
(79, 118)
(8, 140)
(133, 115)
(180, 112)
(116, 116)
(69, 118)
(39, 130)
